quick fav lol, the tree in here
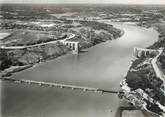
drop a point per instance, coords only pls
(5, 61)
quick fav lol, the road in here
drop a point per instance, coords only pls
(157, 70)
(23, 47)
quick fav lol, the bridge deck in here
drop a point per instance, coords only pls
(58, 85)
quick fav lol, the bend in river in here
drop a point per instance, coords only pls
(103, 66)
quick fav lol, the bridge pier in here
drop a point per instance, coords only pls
(72, 45)
(139, 52)
(75, 48)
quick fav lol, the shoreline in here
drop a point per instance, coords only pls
(36, 65)
(152, 46)
(16, 69)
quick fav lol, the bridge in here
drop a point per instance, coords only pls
(140, 52)
(57, 85)
(74, 46)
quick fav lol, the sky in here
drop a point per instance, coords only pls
(87, 1)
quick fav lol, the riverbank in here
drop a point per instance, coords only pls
(12, 59)
(141, 74)
(102, 66)
(13, 69)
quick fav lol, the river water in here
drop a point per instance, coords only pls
(103, 66)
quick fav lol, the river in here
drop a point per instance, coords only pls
(103, 66)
